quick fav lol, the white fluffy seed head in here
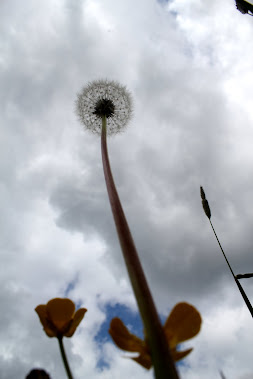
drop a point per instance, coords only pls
(104, 98)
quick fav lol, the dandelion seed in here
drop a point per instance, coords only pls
(100, 99)
(105, 108)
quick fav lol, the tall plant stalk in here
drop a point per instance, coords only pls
(244, 296)
(208, 214)
(164, 366)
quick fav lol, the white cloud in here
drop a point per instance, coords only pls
(188, 66)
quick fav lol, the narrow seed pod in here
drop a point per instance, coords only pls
(206, 208)
(202, 193)
(205, 203)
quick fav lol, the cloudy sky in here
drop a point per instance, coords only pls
(188, 65)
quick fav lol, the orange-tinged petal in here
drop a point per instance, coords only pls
(124, 339)
(50, 332)
(177, 355)
(75, 322)
(144, 360)
(42, 313)
(60, 312)
(182, 324)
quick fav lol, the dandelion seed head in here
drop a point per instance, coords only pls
(104, 98)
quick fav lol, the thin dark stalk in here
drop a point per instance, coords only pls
(163, 363)
(244, 276)
(245, 298)
(64, 358)
(230, 268)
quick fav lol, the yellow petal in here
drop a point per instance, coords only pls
(60, 312)
(177, 355)
(50, 332)
(76, 321)
(144, 360)
(182, 324)
(42, 313)
(124, 339)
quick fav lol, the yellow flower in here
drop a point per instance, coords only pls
(182, 324)
(59, 318)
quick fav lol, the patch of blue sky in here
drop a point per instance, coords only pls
(164, 2)
(133, 322)
(130, 318)
(70, 286)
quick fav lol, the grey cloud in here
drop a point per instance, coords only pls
(187, 130)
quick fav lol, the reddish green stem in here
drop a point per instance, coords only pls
(163, 363)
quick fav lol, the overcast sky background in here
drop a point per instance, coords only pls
(188, 65)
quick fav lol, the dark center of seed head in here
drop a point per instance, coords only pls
(104, 107)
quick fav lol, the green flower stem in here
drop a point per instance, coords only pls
(163, 363)
(244, 296)
(64, 358)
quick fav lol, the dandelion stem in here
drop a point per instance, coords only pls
(163, 363)
(64, 358)
(245, 298)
